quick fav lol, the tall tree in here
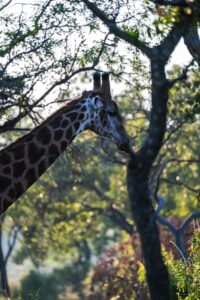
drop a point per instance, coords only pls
(141, 162)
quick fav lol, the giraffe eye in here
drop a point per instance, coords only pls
(96, 99)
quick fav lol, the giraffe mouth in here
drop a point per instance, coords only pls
(124, 147)
(122, 143)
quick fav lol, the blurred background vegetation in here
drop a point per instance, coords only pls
(74, 225)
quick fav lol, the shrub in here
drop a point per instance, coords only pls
(120, 273)
(186, 274)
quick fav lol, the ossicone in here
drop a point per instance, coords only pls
(101, 85)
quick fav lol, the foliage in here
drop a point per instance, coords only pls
(56, 284)
(186, 274)
(120, 273)
(35, 286)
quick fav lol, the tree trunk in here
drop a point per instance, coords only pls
(139, 169)
(4, 278)
(145, 220)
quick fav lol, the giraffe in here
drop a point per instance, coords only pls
(25, 160)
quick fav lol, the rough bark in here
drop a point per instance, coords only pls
(4, 278)
(137, 180)
(145, 219)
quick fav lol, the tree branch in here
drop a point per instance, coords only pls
(193, 5)
(180, 183)
(11, 245)
(174, 130)
(182, 76)
(10, 124)
(161, 203)
(193, 216)
(181, 3)
(177, 232)
(168, 44)
(111, 211)
(192, 41)
(111, 24)
(115, 215)
(5, 5)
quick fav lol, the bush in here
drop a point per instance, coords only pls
(36, 286)
(120, 273)
(186, 274)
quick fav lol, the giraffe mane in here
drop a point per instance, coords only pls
(69, 104)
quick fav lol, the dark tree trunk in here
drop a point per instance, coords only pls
(145, 219)
(139, 169)
(4, 278)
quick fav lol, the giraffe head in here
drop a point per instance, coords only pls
(105, 118)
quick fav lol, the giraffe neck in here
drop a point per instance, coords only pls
(24, 161)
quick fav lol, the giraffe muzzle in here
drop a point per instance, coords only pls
(124, 145)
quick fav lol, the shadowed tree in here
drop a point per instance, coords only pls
(140, 163)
